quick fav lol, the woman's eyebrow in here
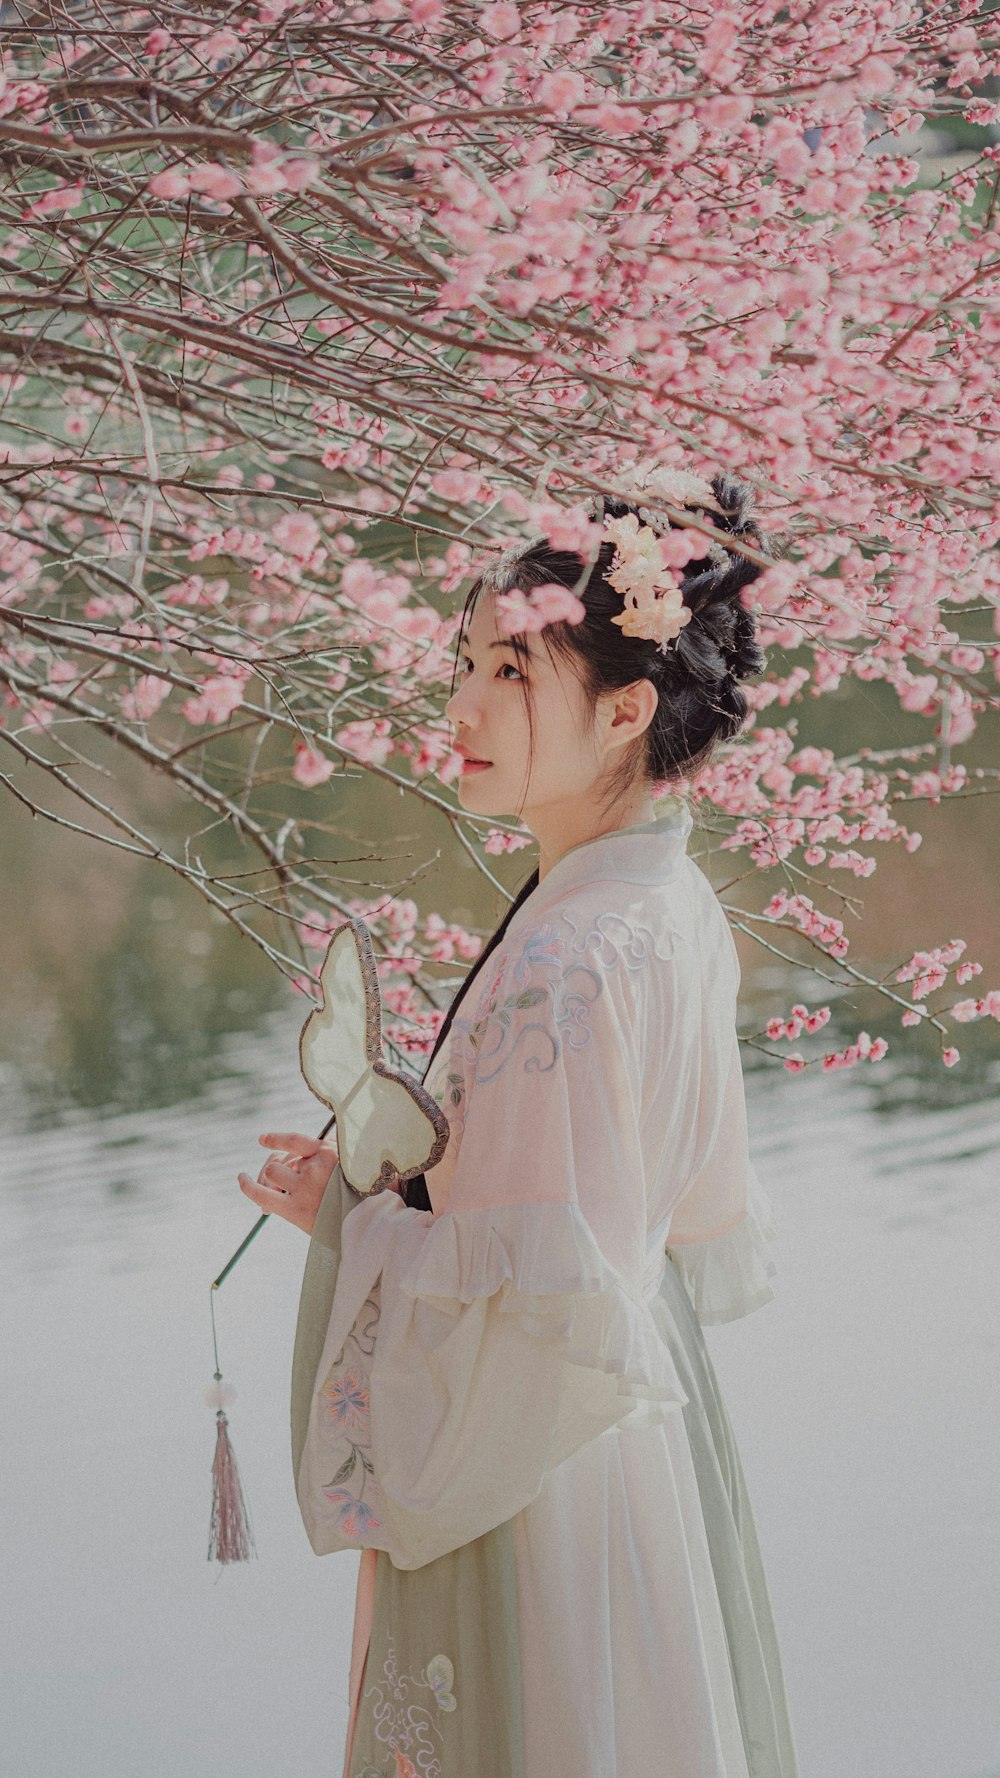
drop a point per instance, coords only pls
(503, 644)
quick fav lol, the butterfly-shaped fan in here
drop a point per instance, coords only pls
(388, 1128)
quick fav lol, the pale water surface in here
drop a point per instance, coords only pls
(865, 1399)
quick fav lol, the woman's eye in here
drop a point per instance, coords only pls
(507, 667)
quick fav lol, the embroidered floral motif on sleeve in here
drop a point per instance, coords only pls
(405, 1721)
(348, 1404)
(560, 968)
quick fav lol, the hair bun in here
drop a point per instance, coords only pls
(720, 643)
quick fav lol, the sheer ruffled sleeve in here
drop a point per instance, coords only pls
(730, 1274)
(721, 1231)
(469, 1352)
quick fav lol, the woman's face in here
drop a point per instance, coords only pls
(490, 720)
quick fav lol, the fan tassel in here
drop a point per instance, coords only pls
(230, 1538)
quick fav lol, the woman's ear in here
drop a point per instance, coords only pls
(628, 712)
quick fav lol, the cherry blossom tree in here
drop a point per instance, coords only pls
(308, 309)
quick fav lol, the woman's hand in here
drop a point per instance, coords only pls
(292, 1186)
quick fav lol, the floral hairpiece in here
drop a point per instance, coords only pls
(654, 603)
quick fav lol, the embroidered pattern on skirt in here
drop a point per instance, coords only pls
(405, 1721)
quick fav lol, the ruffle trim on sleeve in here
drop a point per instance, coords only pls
(544, 1265)
(730, 1275)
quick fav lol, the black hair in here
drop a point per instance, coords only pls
(697, 678)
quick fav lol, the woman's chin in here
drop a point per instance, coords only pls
(474, 793)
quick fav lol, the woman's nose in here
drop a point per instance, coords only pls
(461, 706)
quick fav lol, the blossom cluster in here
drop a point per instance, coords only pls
(863, 1049)
(825, 930)
(372, 321)
(928, 970)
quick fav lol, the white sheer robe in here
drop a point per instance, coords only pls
(503, 1357)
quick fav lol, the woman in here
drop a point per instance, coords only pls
(502, 1393)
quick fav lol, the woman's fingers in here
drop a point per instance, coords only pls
(277, 1174)
(292, 1143)
(293, 1185)
(273, 1181)
(299, 1213)
(264, 1195)
(297, 1206)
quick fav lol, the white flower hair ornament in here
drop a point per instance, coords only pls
(654, 603)
(650, 481)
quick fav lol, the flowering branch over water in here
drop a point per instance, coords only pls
(307, 310)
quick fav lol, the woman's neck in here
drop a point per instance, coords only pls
(558, 830)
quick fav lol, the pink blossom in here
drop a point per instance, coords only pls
(949, 1057)
(918, 693)
(173, 182)
(818, 761)
(265, 179)
(315, 928)
(296, 532)
(358, 579)
(218, 698)
(559, 92)
(497, 841)
(145, 698)
(368, 740)
(801, 1019)
(310, 768)
(927, 784)
(547, 604)
(965, 972)
(214, 181)
(301, 171)
(568, 528)
(57, 198)
(460, 485)
(500, 20)
(219, 45)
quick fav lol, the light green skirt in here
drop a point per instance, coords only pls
(466, 1601)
